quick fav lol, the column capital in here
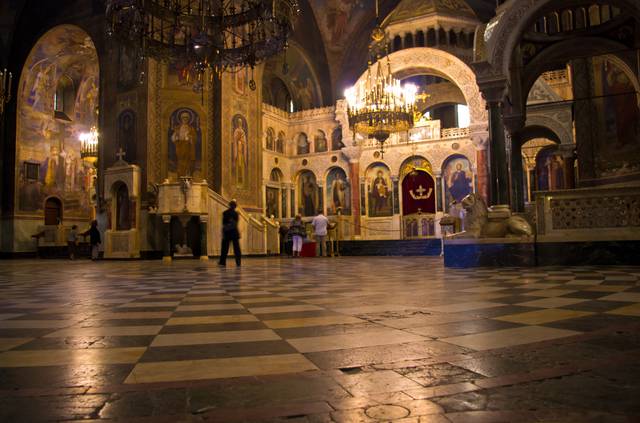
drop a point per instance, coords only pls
(352, 153)
(567, 151)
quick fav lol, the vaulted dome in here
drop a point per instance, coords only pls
(408, 10)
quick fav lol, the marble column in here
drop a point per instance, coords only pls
(204, 251)
(517, 176)
(480, 141)
(584, 117)
(568, 152)
(498, 159)
(166, 223)
(353, 153)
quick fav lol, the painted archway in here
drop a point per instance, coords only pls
(56, 101)
(420, 60)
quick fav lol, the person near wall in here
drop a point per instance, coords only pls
(297, 232)
(284, 244)
(72, 241)
(230, 234)
(320, 224)
(94, 239)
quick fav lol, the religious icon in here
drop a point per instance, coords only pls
(270, 136)
(184, 138)
(126, 134)
(309, 194)
(380, 192)
(458, 179)
(302, 143)
(280, 142)
(336, 138)
(240, 150)
(320, 142)
(272, 202)
(338, 192)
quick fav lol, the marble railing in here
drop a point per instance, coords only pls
(589, 214)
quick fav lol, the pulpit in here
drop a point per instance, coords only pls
(122, 196)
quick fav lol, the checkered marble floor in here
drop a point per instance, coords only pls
(344, 340)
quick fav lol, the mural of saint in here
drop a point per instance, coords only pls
(270, 136)
(280, 142)
(308, 194)
(380, 191)
(272, 202)
(549, 170)
(458, 179)
(336, 139)
(185, 142)
(338, 192)
(302, 142)
(320, 142)
(240, 149)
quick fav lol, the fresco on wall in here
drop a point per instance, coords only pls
(126, 135)
(271, 205)
(127, 66)
(240, 150)
(298, 81)
(320, 142)
(458, 179)
(549, 170)
(48, 148)
(185, 144)
(280, 142)
(308, 201)
(302, 143)
(336, 138)
(270, 139)
(337, 19)
(338, 192)
(616, 102)
(380, 190)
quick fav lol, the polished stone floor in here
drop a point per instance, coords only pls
(317, 340)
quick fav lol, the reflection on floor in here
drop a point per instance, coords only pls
(317, 340)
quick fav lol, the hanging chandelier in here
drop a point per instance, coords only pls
(203, 34)
(89, 145)
(380, 105)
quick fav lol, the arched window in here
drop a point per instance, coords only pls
(397, 43)
(64, 98)
(431, 37)
(408, 40)
(270, 139)
(320, 142)
(302, 143)
(420, 39)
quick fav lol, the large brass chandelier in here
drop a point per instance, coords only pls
(205, 34)
(380, 105)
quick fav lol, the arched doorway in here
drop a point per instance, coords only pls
(418, 190)
(52, 211)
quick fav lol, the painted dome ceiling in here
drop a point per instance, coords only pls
(410, 9)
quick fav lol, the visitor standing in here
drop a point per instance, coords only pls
(284, 247)
(72, 240)
(94, 239)
(230, 233)
(320, 223)
(297, 235)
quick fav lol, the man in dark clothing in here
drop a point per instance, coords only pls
(230, 233)
(94, 239)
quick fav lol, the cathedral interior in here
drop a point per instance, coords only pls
(478, 162)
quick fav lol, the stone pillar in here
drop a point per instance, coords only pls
(204, 251)
(567, 151)
(353, 153)
(584, 116)
(166, 223)
(498, 159)
(517, 176)
(480, 141)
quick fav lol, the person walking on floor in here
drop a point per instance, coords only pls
(72, 240)
(230, 233)
(320, 224)
(94, 239)
(297, 235)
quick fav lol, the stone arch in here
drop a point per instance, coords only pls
(416, 60)
(276, 175)
(505, 31)
(562, 131)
